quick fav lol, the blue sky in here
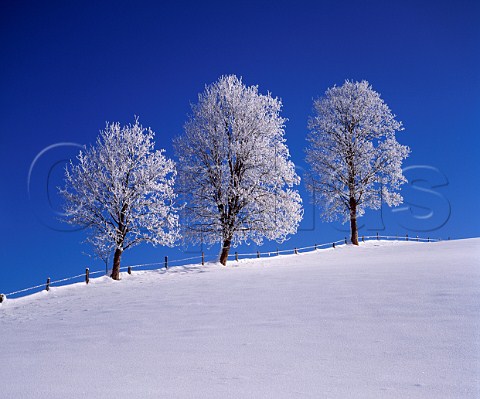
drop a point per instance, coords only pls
(66, 69)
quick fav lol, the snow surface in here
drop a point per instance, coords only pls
(385, 320)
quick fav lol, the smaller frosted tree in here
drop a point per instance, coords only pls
(355, 159)
(121, 189)
(235, 170)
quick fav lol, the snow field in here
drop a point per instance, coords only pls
(385, 320)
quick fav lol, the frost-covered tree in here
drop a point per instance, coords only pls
(234, 168)
(121, 189)
(355, 160)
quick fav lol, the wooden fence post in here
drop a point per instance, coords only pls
(333, 245)
(236, 256)
(87, 275)
(166, 262)
(203, 259)
(296, 251)
(406, 237)
(258, 254)
(277, 252)
(47, 287)
(345, 240)
(363, 238)
(315, 246)
(129, 270)
(377, 236)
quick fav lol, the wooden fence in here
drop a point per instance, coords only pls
(237, 256)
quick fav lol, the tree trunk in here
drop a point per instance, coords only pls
(225, 251)
(116, 264)
(353, 221)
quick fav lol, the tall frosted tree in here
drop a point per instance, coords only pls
(355, 159)
(121, 189)
(235, 169)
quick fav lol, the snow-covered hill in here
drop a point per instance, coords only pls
(386, 320)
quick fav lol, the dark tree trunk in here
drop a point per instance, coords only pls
(225, 251)
(353, 221)
(116, 264)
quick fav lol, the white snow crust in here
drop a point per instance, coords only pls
(385, 320)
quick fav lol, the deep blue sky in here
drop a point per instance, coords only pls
(66, 69)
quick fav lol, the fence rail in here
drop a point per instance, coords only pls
(201, 258)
